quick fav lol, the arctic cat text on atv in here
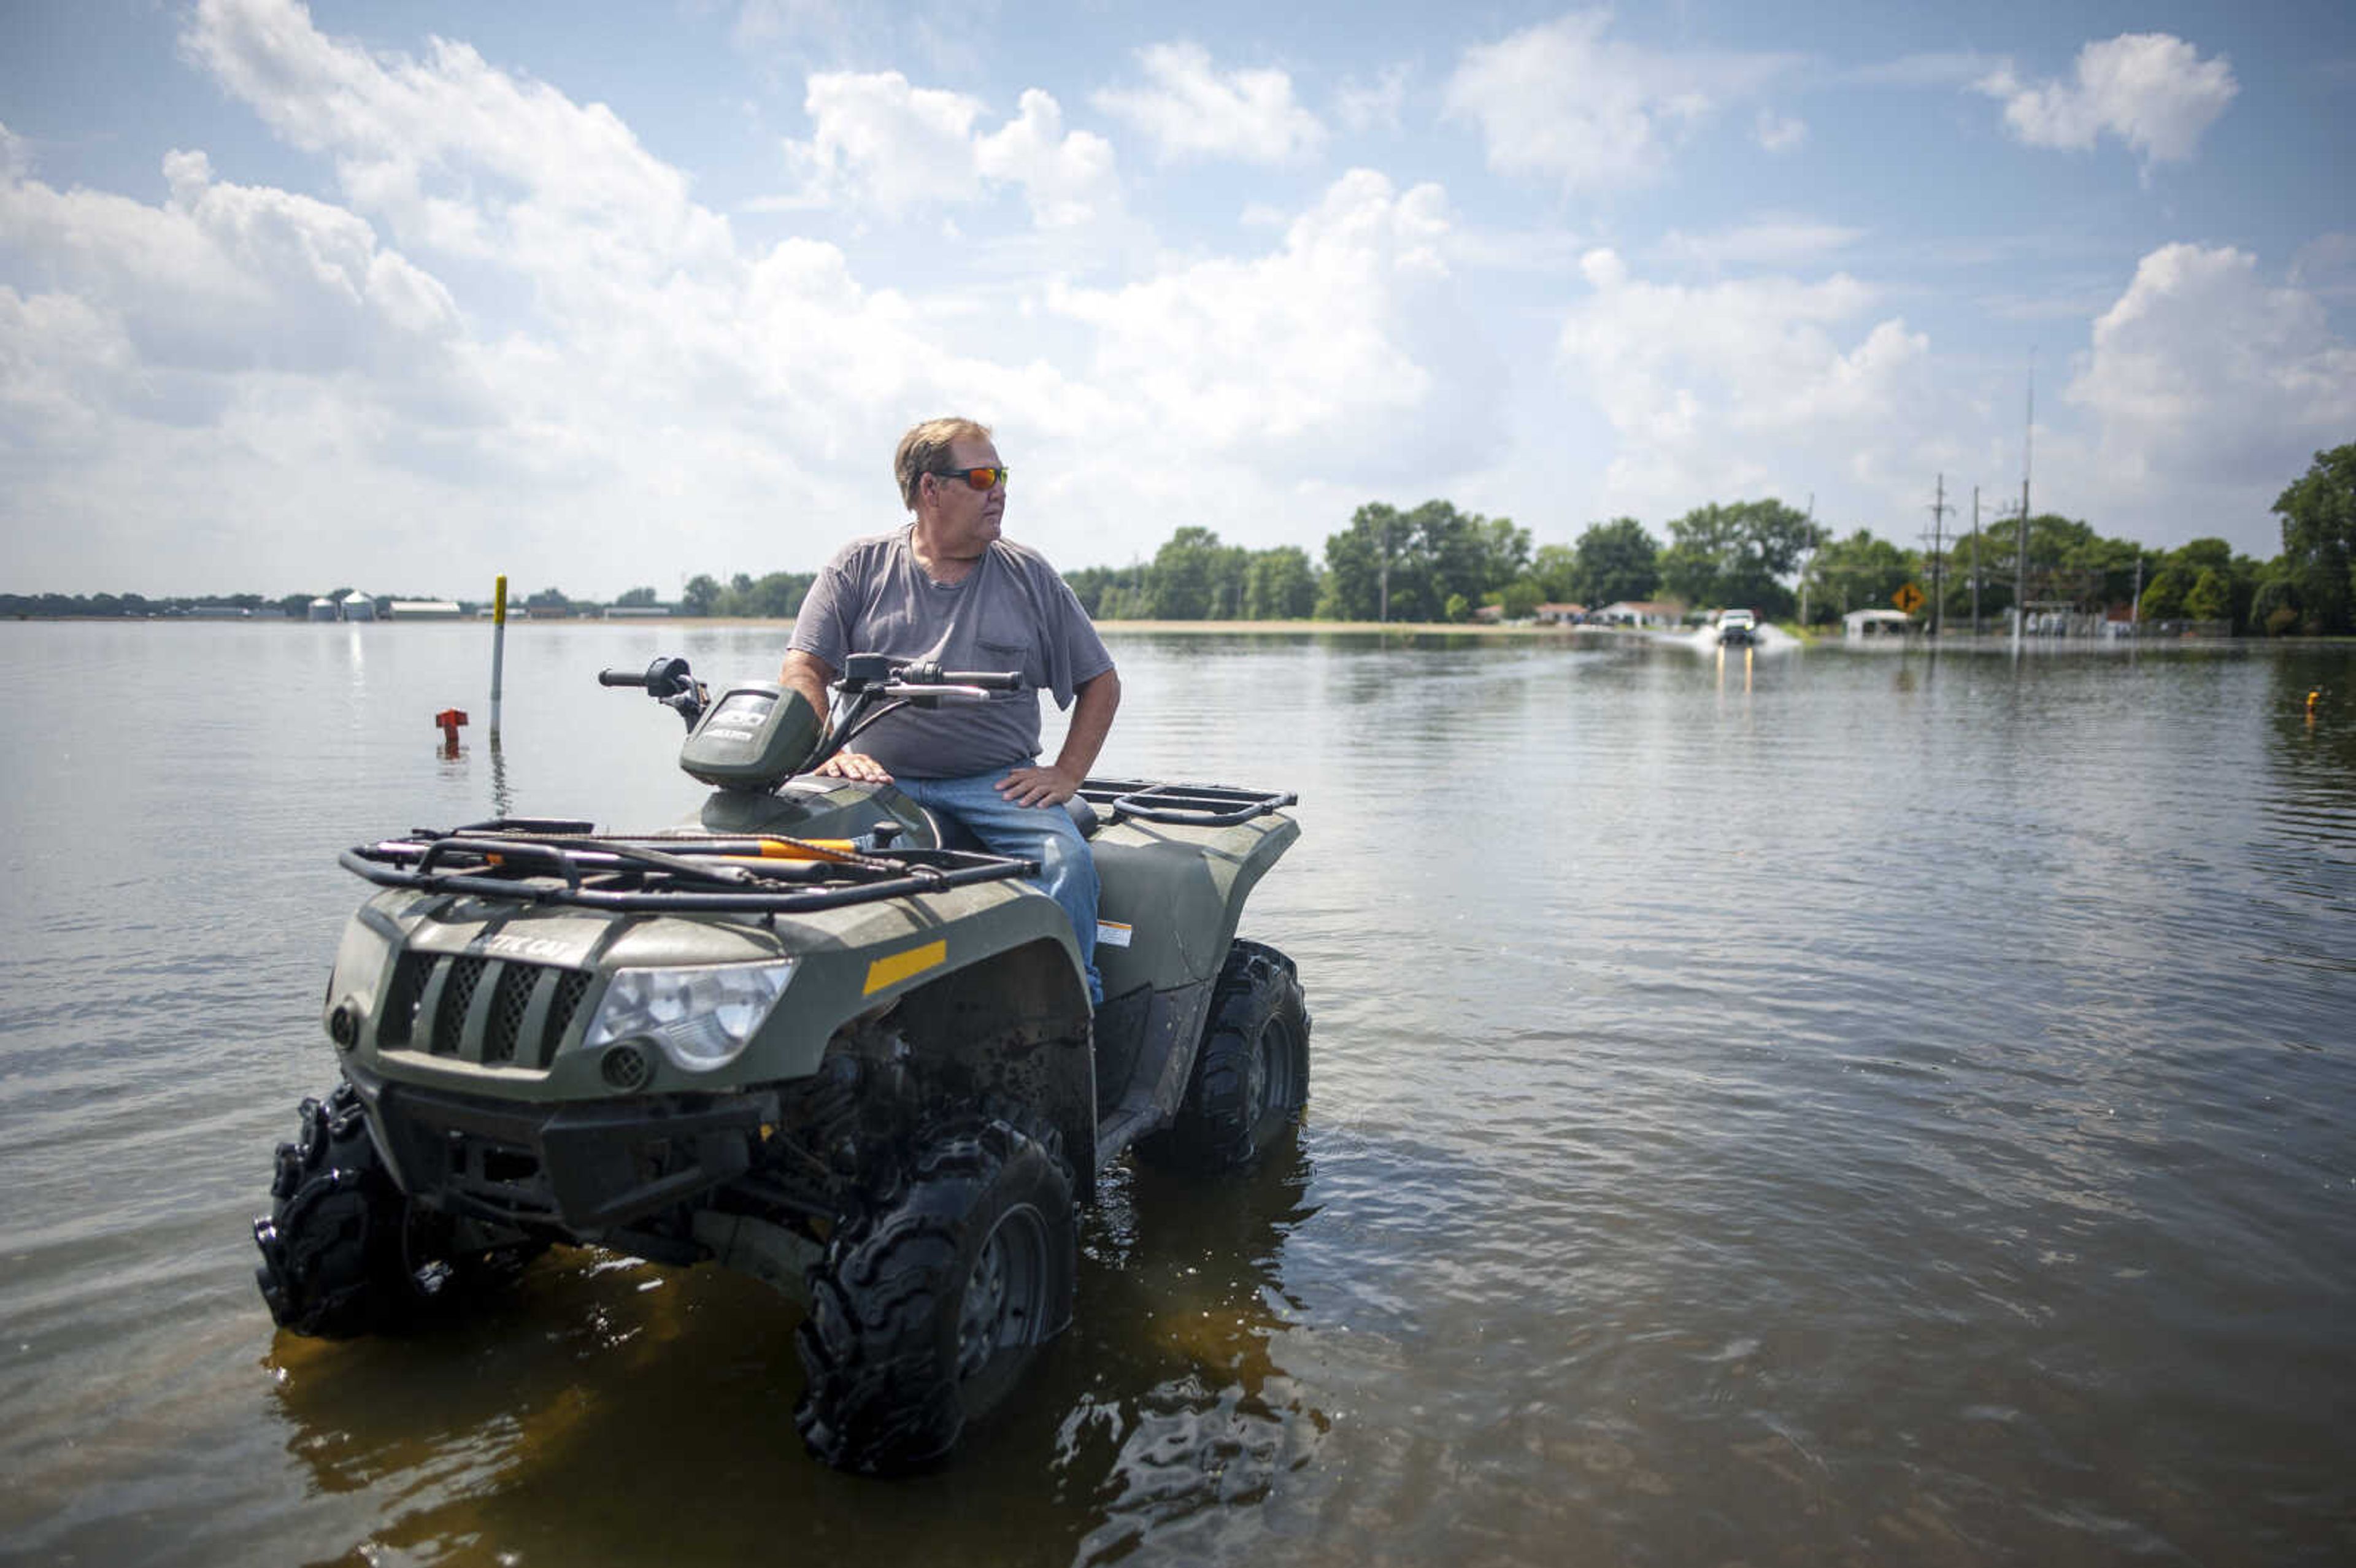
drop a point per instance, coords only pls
(799, 1036)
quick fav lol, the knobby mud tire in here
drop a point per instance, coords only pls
(1251, 1076)
(343, 1253)
(929, 1305)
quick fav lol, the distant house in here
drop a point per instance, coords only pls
(1663, 614)
(1860, 625)
(1559, 615)
(423, 610)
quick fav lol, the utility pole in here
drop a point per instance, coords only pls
(1807, 558)
(2020, 558)
(1939, 510)
(1975, 560)
(1384, 613)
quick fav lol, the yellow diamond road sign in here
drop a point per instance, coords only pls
(1909, 599)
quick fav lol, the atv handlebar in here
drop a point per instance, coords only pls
(934, 675)
(870, 687)
(668, 681)
(667, 677)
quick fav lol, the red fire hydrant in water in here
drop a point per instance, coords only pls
(450, 718)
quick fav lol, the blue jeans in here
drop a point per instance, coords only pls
(1067, 872)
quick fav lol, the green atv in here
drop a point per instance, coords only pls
(802, 1036)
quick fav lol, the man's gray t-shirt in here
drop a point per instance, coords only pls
(1012, 612)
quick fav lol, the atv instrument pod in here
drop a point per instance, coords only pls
(756, 734)
(701, 1017)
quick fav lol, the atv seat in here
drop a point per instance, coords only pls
(955, 835)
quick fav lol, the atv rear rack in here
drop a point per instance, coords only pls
(1194, 805)
(549, 862)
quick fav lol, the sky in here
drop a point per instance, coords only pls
(402, 296)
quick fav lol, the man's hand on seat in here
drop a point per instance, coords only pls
(853, 765)
(1048, 785)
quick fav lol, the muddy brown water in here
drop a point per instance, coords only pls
(1820, 1107)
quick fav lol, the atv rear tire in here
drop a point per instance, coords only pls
(344, 1251)
(1252, 1077)
(928, 1308)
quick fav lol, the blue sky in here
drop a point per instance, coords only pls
(406, 295)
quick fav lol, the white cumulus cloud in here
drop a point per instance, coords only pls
(2202, 371)
(878, 141)
(507, 338)
(1736, 386)
(2152, 91)
(1340, 352)
(1565, 101)
(1191, 109)
(1779, 133)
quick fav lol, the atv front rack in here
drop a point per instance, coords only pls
(1194, 805)
(548, 861)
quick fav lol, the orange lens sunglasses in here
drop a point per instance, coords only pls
(978, 478)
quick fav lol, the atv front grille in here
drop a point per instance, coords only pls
(497, 1011)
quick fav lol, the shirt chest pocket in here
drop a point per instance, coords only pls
(1006, 639)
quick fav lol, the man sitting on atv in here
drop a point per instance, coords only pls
(949, 589)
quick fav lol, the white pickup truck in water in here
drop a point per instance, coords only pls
(1736, 626)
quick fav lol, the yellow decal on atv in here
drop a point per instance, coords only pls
(900, 965)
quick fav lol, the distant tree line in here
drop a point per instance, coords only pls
(139, 607)
(1436, 562)
(2308, 588)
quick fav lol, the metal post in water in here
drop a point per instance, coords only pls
(2020, 558)
(499, 645)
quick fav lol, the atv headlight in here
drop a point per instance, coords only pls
(701, 1018)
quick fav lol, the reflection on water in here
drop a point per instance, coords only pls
(1778, 1105)
(1183, 1294)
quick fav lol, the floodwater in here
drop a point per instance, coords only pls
(1805, 1107)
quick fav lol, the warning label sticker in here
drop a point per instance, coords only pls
(1111, 934)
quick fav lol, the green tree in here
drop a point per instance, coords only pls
(1355, 560)
(1433, 554)
(1737, 555)
(1615, 560)
(1556, 570)
(2275, 608)
(700, 595)
(2196, 556)
(1196, 578)
(1109, 593)
(777, 596)
(1860, 572)
(636, 597)
(2318, 535)
(1281, 585)
(2163, 596)
(2210, 597)
(1519, 599)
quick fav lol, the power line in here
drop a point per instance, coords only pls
(1939, 510)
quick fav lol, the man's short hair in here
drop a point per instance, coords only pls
(926, 448)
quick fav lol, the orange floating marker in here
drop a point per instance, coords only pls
(450, 718)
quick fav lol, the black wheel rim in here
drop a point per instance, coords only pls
(1273, 1060)
(1005, 1296)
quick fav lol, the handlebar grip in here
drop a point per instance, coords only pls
(621, 677)
(989, 681)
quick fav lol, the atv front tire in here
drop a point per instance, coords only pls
(344, 1251)
(928, 1308)
(1252, 1077)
